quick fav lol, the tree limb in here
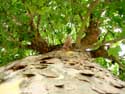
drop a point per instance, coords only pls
(84, 24)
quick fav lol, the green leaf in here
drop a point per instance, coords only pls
(115, 69)
(122, 34)
(14, 1)
(114, 51)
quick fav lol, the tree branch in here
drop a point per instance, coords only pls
(84, 24)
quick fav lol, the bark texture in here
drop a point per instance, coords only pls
(58, 72)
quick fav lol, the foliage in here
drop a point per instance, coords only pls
(54, 20)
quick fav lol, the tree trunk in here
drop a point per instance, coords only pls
(58, 72)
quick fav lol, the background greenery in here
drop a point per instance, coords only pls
(55, 19)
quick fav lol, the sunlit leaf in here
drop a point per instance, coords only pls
(114, 51)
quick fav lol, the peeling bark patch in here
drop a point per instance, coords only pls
(71, 63)
(90, 66)
(82, 78)
(42, 62)
(46, 58)
(87, 73)
(117, 84)
(42, 67)
(48, 73)
(29, 75)
(60, 86)
(17, 67)
(98, 90)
